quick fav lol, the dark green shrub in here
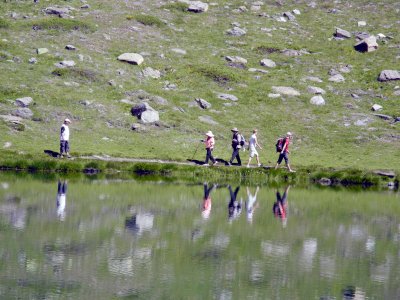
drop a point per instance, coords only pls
(60, 24)
(179, 6)
(218, 74)
(84, 75)
(147, 20)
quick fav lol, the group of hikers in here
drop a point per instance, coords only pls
(238, 143)
(279, 208)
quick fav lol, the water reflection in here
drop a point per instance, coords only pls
(206, 206)
(139, 223)
(15, 214)
(235, 206)
(280, 206)
(61, 199)
(251, 204)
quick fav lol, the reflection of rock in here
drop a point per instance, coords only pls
(139, 223)
(16, 216)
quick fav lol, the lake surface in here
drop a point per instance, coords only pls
(127, 239)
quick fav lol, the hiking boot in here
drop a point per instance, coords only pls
(215, 162)
(229, 164)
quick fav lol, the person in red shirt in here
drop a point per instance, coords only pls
(209, 143)
(284, 154)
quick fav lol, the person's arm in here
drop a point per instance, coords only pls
(257, 144)
(285, 145)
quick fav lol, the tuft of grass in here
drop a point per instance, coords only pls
(84, 75)
(4, 23)
(178, 6)
(217, 74)
(147, 20)
(60, 24)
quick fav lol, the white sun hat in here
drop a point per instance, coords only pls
(209, 133)
(67, 120)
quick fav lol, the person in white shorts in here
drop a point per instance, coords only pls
(253, 143)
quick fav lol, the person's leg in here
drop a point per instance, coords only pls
(67, 148)
(258, 160)
(62, 147)
(279, 160)
(64, 188)
(286, 157)
(248, 162)
(238, 157)
(59, 187)
(236, 191)
(207, 156)
(212, 157)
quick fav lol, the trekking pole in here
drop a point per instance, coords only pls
(196, 150)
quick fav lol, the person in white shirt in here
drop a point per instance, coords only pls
(253, 143)
(61, 199)
(64, 138)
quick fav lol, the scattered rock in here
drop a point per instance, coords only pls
(179, 51)
(367, 45)
(112, 82)
(355, 96)
(258, 70)
(170, 86)
(333, 72)
(7, 145)
(23, 112)
(144, 112)
(346, 69)
(361, 23)
(207, 119)
(85, 6)
(132, 58)
(150, 72)
(341, 33)
(197, 6)
(291, 52)
(387, 75)
(138, 127)
(316, 90)
(296, 11)
(362, 35)
(32, 60)
(227, 97)
(324, 181)
(40, 51)
(70, 47)
(289, 16)
(268, 63)
(317, 100)
(384, 117)
(337, 78)
(236, 59)
(273, 96)
(376, 107)
(236, 31)
(289, 91)
(390, 174)
(312, 78)
(203, 103)
(24, 101)
(65, 64)
(59, 11)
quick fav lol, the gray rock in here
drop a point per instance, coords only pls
(65, 64)
(367, 45)
(255, 7)
(138, 127)
(296, 11)
(337, 78)
(236, 31)
(24, 101)
(289, 16)
(361, 23)
(197, 6)
(40, 51)
(236, 59)
(254, 70)
(346, 69)
(85, 6)
(112, 82)
(341, 33)
(376, 107)
(289, 91)
(362, 35)
(59, 11)
(144, 112)
(132, 58)
(179, 51)
(363, 122)
(70, 47)
(227, 97)
(208, 120)
(7, 145)
(312, 78)
(387, 75)
(203, 103)
(32, 60)
(384, 117)
(291, 52)
(317, 100)
(268, 63)
(396, 93)
(355, 96)
(152, 73)
(273, 96)
(390, 174)
(23, 112)
(333, 72)
(316, 90)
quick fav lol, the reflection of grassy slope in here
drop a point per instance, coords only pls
(103, 32)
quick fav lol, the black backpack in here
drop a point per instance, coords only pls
(279, 144)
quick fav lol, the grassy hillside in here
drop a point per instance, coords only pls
(344, 132)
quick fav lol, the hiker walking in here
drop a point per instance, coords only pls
(253, 143)
(209, 142)
(283, 148)
(236, 146)
(64, 138)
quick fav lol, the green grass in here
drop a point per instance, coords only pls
(178, 6)
(147, 20)
(4, 24)
(60, 24)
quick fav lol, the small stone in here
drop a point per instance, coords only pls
(24, 101)
(40, 51)
(132, 58)
(112, 82)
(289, 16)
(289, 91)
(65, 64)
(257, 70)
(384, 117)
(341, 33)
(316, 90)
(296, 11)
(151, 73)
(236, 59)
(376, 107)
(361, 23)
(7, 145)
(337, 78)
(273, 96)
(317, 100)
(227, 97)
(179, 51)
(70, 47)
(32, 60)
(387, 75)
(23, 112)
(203, 103)
(197, 6)
(268, 63)
(85, 6)
(312, 78)
(236, 31)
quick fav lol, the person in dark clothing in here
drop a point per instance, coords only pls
(279, 208)
(235, 206)
(206, 206)
(236, 139)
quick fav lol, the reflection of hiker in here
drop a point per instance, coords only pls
(283, 150)
(253, 143)
(209, 143)
(251, 204)
(61, 199)
(234, 207)
(206, 206)
(236, 145)
(280, 206)
(64, 138)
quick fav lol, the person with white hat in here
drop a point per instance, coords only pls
(236, 146)
(209, 143)
(64, 138)
(284, 153)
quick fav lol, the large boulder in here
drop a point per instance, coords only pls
(24, 101)
(367, 45)
(285, 90)
(59, 11)
(23, 112)
(197, 6)
(387, 75)
(236, 31)
(203, 103)
(268, 63)
(132, 58)
(341, 33)
(144, 112)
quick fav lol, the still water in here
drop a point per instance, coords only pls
(124, 239)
